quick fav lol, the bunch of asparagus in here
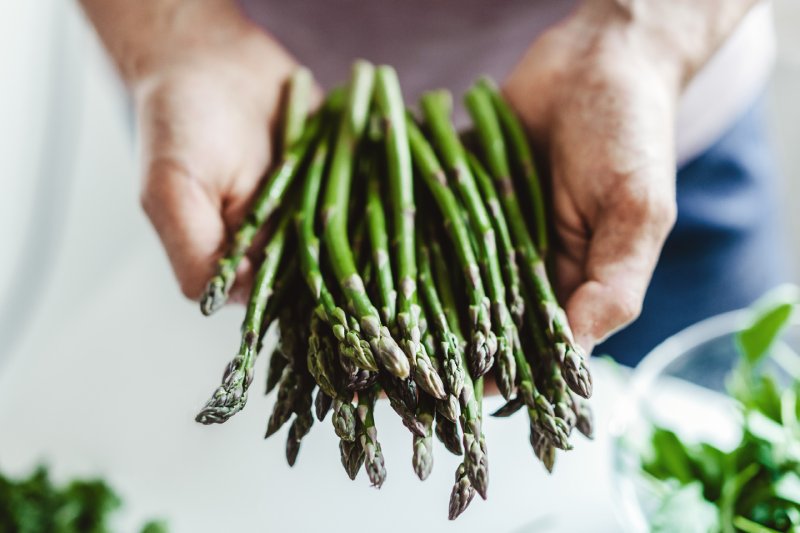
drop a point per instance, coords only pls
(367, 210)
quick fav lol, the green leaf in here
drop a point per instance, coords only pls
(773, 312)
(684, 510)
(670, 458)
(788, 487)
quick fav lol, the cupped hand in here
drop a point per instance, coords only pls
(600, 107)
(206, 108)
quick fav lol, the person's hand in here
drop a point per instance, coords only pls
(600, 107)
(206, 97)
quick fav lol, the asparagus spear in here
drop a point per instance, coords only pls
(402, 394)
(351, 344)
(303, 420)
(584, 417)
(576, 373)
(277, 363)
(449, 348)
(475, 459)
(543, 449)
(297, 106)
(422, 459)
(322, 404)
(510, 267)
(334, 212)
(344, 420)
(447, 433)
(352, 455)
(462, 493)
(436, 106)
(483, 342)
(267, 202)
(390, 105)
(289, 389)
(523, 157)
(379, 239)
(368, 438)
(231, 396)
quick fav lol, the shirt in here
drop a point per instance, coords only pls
(449, 43)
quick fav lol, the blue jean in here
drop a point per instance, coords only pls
(727, 247)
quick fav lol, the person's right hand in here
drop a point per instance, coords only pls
(206, 98)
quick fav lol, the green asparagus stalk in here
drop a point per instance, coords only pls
(584, 417)
(267, 202)
(402, 395)
(576, 373)
(447, 433)
(289, 389)
(344, 420)
(462, 493)
(322, 404)
(506, 245)
(334, 213)
(298, 100)
(483, 342)
(379, 240)
(352, 455)
(422, 459)
(351, 344)
(368, 438)
(436, 106)
(523, 157)
(543, 449)
(322, 359)
(390, 106)
(449, 351)
(231, 396)
(277, 363)
(304, 418)
(510, 407)
(475, 459)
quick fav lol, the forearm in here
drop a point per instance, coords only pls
(679, 36)
(141, 36)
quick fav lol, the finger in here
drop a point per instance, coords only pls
(187, 221)
(622, 254)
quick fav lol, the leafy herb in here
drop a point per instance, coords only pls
(36, 505)
(754, 488)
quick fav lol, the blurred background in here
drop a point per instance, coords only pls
(103, 363)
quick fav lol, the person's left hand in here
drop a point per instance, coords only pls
(601, 111)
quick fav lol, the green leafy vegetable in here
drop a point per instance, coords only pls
(684, 510)
(36, 505)
(755, 488)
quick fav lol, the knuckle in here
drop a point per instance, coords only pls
(628, 306)
(647, 205)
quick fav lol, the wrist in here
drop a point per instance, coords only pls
(144, 38)
(675, 39)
